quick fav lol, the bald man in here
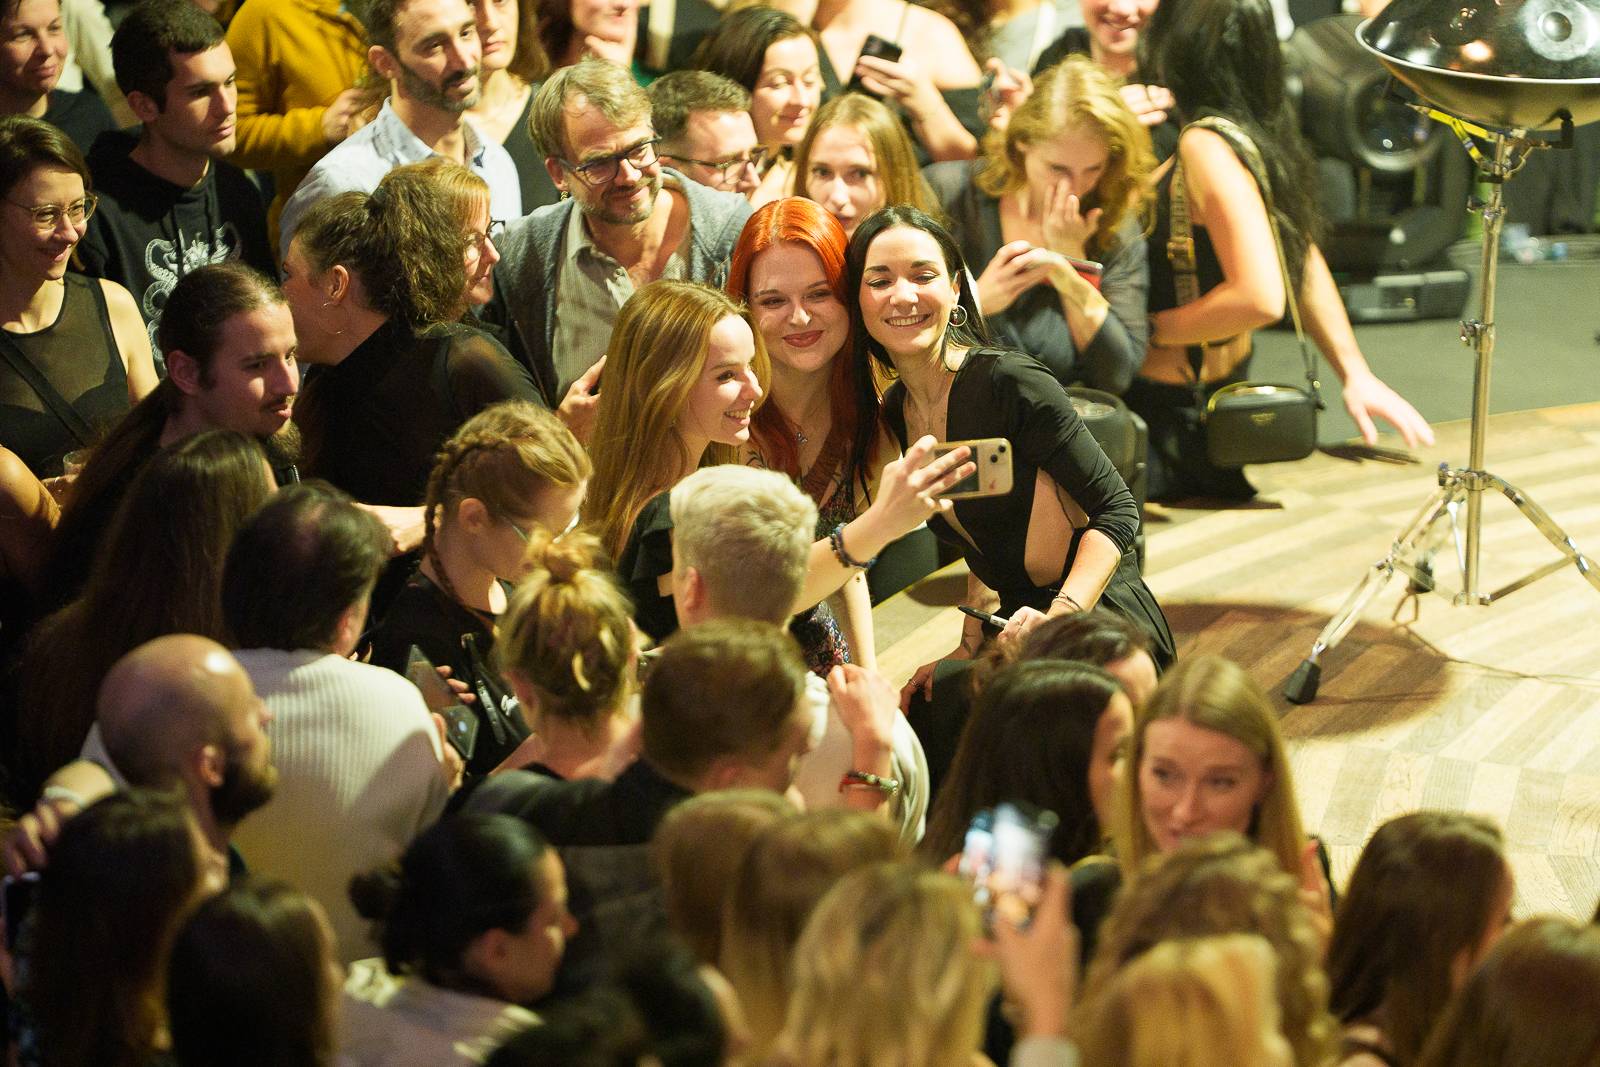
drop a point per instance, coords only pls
(177, 712)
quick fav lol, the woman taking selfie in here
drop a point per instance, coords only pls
(684, 376)
(1065, 183)
(1060, 540)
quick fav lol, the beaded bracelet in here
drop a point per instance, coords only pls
(836, 539)
(865, 780)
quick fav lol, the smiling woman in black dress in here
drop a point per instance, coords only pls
(1061, 540)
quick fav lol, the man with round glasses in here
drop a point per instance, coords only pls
(624, 221)
(703, 120)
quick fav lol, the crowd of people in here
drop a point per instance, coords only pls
(449, 454)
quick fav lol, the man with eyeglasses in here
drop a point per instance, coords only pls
(565, 270)
(430, 53)
(168, 202)
(703, 120)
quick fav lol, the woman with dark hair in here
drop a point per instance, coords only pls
(1221, 60)
(74, 351)
(1429, 898)
(95, 950)
(375, 282)
(158, 571)
(1047, 732)
(1534, 1001)
(253, 981)
(474, 923)
(1061, 540)
(572, 29)
(778, 61)
(789, 267)
(513, 64)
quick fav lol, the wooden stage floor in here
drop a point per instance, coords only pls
(1494, 710)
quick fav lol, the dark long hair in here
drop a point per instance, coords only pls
(973, 333)
(459, 879)
(1421, 894)
(249, 982)
(1029, 738)
(737, 48)
(119, 875)
(1222, 58)
(157, 571)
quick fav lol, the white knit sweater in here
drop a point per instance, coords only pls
(359, 775)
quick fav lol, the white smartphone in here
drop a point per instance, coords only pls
(992, 456)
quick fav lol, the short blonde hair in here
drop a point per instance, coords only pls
(885, 973)
(601, 84)
(748, 533)
(1188, 1003)
(1077, 92)
(1223, 884)
(698, 849)
(1216, 694)
(789, 867)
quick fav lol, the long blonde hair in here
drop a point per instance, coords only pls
(1190, 1002)
(657, 352)
(1216, 694)
(885, 974)
(1223, 884)
(1077, 93)
(898, 174)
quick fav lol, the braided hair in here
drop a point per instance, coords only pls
(505, 456)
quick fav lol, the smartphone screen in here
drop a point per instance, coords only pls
(1021, 850)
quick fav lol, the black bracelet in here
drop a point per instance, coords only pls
(836, 539)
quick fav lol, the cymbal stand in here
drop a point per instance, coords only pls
(1440, 517)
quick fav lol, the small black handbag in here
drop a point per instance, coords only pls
(1244, 422)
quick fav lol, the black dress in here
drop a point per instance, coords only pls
(373, 423)
(77, 355)
(997, 393)
(644, 560)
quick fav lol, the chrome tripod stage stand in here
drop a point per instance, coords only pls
(1550, 88)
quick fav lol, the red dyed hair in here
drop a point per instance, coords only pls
(796, 220)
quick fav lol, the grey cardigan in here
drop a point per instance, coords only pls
(1035, 323)
(523, 308)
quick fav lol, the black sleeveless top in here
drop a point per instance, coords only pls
(1163, 292)
(78, 355)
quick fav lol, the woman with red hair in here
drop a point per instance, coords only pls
(789, 268)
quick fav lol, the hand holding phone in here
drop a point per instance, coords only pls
(460, 724)
(878, 48)
(992, 457)
(1005, 855)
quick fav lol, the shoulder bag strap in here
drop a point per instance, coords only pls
(1250, 156)
(1180, 254)
(23, 366)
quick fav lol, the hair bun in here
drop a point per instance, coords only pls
(563, 558)
(374, 892)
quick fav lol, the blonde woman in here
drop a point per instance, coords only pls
(684, 374)
(566, 645)
(510, 471)
(1067, 180)
(789, 868)
(1206, 755)
(1222, 884)
(1204, 1002)
(856, 158)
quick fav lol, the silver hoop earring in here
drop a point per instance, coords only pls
(958, 316)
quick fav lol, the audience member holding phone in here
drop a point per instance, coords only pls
(1056, 210)
(1061, 540)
